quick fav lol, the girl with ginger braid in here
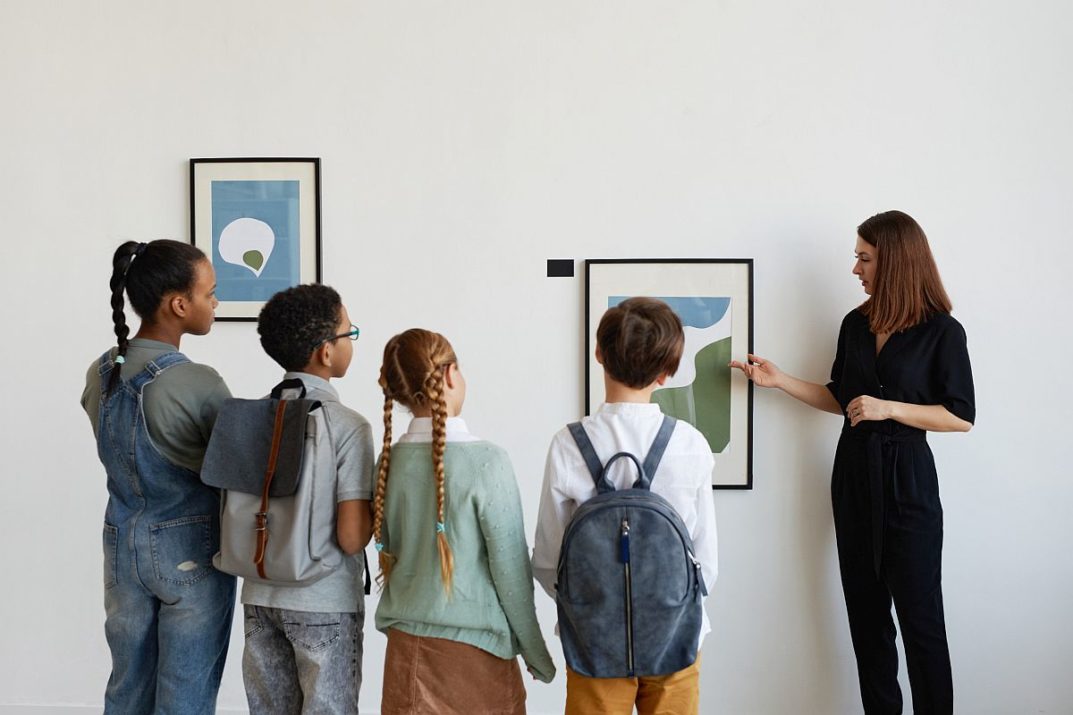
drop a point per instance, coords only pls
(457, 599)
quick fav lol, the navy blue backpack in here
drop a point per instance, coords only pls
(629, 589)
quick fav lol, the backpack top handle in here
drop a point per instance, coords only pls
(643, 481)
(645, 472)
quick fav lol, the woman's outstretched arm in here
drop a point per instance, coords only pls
(765, 373)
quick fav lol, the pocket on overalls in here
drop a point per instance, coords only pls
(111, 544)
(182, 549)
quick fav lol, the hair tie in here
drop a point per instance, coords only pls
(119, 360)
(137, 252)
(440, 527)
(379, 546)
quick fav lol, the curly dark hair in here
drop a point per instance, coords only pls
(295, 321)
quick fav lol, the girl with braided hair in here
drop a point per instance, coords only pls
(168, 611)
(457, 599)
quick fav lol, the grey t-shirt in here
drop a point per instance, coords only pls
(180, 405)
(352, 436)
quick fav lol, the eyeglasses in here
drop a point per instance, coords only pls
(353, 334)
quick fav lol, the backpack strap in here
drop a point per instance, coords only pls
(367, 578)
(655, 453)
(596, 469)
(291, 388)
(261, 517)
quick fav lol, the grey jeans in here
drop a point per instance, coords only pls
(298, 662)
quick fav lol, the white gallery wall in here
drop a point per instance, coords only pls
(464, 144)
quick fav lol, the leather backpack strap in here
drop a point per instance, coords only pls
(655, 452)
(588, 453)
(261, 517)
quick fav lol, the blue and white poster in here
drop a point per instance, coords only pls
(255, 238)
(257, 221)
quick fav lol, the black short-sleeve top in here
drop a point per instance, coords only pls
(927, 364)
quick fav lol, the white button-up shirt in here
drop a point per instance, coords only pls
(683, 478)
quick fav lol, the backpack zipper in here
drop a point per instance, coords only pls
(697, 573)
(624, 544)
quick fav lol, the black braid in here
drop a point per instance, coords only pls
(147, 272)
(121, 263)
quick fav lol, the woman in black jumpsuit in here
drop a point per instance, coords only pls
(901, 370)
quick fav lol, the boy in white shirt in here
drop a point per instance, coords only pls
(639, 344)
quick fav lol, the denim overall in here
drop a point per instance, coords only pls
(168, 610)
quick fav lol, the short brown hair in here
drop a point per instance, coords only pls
(640, 339)
(908, 289)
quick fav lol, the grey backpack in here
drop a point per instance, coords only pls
(277, 509)
(629, 589)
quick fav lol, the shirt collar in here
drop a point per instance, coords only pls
(312, 382)
(423, 425)
(630, 408)
(148, 344)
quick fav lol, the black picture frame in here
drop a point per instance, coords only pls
(698, 287)
(259, 222)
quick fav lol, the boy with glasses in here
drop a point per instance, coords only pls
(304, 643)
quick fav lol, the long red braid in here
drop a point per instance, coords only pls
(415, 359)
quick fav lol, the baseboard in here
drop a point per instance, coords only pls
(47, 710)
(8, 709)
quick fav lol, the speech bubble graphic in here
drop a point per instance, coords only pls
(247, 242)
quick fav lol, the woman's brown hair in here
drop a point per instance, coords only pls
(412, 375)
(908, 289)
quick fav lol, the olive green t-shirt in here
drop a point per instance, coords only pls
(180, 405)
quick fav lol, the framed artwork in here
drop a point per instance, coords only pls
(714, 299)
(258, 221)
